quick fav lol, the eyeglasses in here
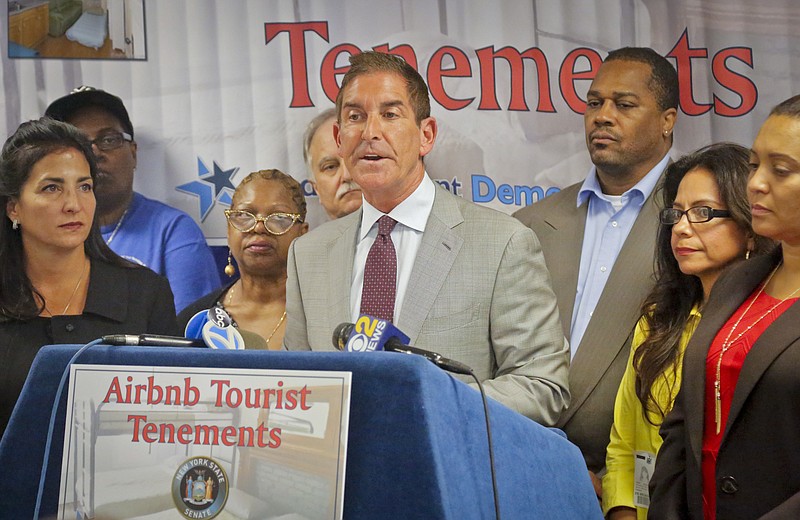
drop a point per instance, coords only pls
(275, 223)
(695, 215)
(111, 141)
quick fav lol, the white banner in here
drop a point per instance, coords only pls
(184, 443)
(223, 88)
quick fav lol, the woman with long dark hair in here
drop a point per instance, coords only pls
(705, 227)
(59, 281)
(730, 444)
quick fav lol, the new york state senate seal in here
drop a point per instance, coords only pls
(199, 488)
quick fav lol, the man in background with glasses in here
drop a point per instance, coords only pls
(140, 229)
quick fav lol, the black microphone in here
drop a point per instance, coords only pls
(149, 340)
(345, 333)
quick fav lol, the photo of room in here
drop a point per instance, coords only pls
(82, 29)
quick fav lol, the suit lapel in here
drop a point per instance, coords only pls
(602, 343)
(778, 336)
(341, 255)
(726, 296)
(569, 222)
(437, 252)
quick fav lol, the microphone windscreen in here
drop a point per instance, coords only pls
(227, 337)
(341, 334)
(194, 327)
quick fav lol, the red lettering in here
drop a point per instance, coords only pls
(136, 420)
(736, 83)
(567, 76)
(329, 70)
(486, 58)
(184, 434)
(154, 392)
(304, 393)
(683, 55)
(297, 54)
(436, 71)
(275, 435)
(149, 433)
(114, 389)
(191, 394)
(228, 435)
(219, 384)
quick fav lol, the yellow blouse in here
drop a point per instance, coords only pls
(631, 432)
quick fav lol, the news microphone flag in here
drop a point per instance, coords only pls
(370, 334)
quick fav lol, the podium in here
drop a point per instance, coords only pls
(417, 443)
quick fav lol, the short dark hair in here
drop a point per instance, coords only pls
(370, 62)
(288, 182)
(663, 77)
(29, 144)
(789, 107)
(311, 131)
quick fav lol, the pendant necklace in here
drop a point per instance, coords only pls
(74, 291)
(280, 321)
(116, 228)
(728, 343)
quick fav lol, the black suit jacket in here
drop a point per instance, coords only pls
(758, 466)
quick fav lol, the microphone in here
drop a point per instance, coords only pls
(215, 327)
(369, 334)
(149, 340)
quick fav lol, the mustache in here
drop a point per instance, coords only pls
(346, 187)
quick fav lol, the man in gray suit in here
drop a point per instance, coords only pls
(598, 235)
(471, 283)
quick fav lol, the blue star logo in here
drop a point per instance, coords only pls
(211, 188)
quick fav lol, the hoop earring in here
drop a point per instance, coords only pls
(229, 269)
(15, 224)
(747, 255)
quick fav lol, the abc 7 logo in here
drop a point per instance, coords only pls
(358, 343)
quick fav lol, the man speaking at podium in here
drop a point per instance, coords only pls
(467, 282)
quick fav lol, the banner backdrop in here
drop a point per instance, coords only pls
(227, 87)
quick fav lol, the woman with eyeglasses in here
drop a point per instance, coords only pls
(705, 227)
(267, 212)
(59, 281)
(731, 444)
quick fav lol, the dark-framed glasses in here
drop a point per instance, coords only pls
(275, 223)
(111, 140)
(695, 215)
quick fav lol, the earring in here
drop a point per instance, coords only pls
(747, 255)
(15, 224)
(229, 269)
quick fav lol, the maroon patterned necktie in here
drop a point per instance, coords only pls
(380, 274)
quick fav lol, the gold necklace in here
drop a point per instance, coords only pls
(74, 291)
(280, 321)
(729, 342)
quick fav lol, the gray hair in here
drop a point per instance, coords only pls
(311, 131)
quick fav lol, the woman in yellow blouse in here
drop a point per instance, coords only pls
(705, 227)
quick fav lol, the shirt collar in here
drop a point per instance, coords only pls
(413, 212)
(640, 191)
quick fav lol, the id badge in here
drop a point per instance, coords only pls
(645, 462)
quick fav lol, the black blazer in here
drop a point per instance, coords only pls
(119, 300)
(758, 466)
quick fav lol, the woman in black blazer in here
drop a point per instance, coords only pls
(59, 282)
(731, 443)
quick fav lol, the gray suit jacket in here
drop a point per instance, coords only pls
(479, 293)
(597, 368)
